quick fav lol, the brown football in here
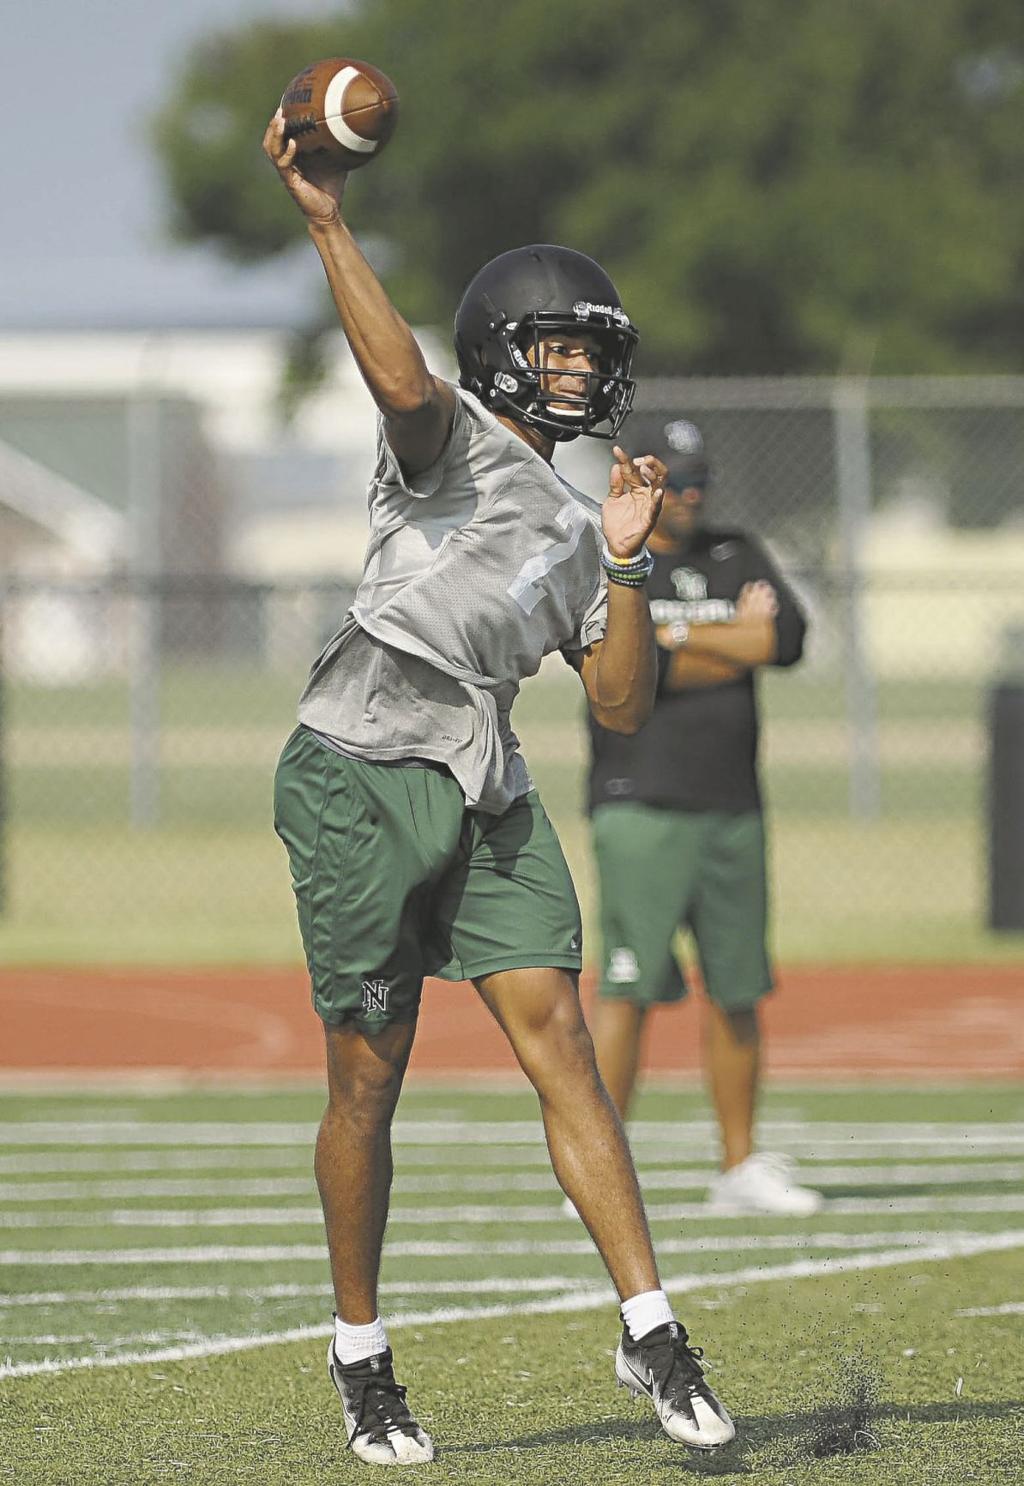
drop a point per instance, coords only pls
(341, 109)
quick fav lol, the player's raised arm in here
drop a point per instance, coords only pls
(417, 406)
(620, 672)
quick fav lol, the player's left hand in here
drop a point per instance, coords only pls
(636, 488)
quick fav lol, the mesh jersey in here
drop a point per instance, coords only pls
(476, 569)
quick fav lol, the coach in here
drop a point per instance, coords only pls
(677, 823)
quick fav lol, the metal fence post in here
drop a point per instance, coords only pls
(853, 485)
(144, 685)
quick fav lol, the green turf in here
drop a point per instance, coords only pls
(870, 1361)
(206, 879)
(531, 1401)
(251, 697)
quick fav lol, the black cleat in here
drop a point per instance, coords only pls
(381, 1429)
(663, 1365)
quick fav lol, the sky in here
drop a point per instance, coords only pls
(84, 241)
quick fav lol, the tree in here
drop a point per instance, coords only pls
(774, 186)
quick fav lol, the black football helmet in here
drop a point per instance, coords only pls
(517, 300)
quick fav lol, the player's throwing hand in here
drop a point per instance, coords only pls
(316, 187)
(635, 491)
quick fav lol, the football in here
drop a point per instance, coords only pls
(340, 109)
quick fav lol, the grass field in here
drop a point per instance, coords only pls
(207, 881)
(163, 1300)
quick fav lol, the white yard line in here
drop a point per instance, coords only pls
(66, 1163)
(577, 1299)
(1011, 1308)
(469, 1132)
(290, 1186)
(464, 1215)
(444, 1157)
(84, 1299)
(462, 1249)
(132, 1338)
(498, 1285)
(148, 1132)
(205, 1254)
(981, 1169)
(692, 1177)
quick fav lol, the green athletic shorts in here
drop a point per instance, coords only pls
(665, 870)
(395, 879)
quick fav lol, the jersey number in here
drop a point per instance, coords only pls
(525, 587)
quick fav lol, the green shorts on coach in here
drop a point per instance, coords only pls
(664, 870)
(395, 879)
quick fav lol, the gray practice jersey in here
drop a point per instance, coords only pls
(476, 569)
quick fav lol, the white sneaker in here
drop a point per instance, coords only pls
(381, 1430)
(762, 1184)
(668, 1370)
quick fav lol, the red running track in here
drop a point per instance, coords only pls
(895, 1022)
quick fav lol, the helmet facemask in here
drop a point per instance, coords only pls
(517, 388)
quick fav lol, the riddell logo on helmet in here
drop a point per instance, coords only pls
(583, 309)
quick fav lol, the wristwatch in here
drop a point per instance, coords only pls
(678, 633)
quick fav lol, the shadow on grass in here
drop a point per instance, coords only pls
(789, 1437)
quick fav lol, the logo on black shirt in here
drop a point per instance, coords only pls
(620, 786)
(689, 584)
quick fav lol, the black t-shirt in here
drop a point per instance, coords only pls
(699, 749)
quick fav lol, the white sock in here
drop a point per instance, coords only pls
(643, 1313)
(356, 1343)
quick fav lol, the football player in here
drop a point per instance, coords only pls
(417, 842)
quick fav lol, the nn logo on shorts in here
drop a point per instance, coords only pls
(375, 997)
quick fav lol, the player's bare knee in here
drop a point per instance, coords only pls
(743, 1025)
(563, 1047)
(367, 1082)
(362, 1105)
(364, 1074)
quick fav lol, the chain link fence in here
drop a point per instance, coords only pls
(148, 682)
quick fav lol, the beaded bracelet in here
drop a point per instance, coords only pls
(630, 572)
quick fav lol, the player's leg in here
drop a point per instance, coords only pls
(361, 873)
(512, 927)
(728, 918)
(511, 923)
(539, 1011)
(732, 1060)
(353, 1161)
(645, 872)
(353, 1166)
(618, 1034)
(729, 921)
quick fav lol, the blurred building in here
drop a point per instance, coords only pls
(160, 456)
(182, 432)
